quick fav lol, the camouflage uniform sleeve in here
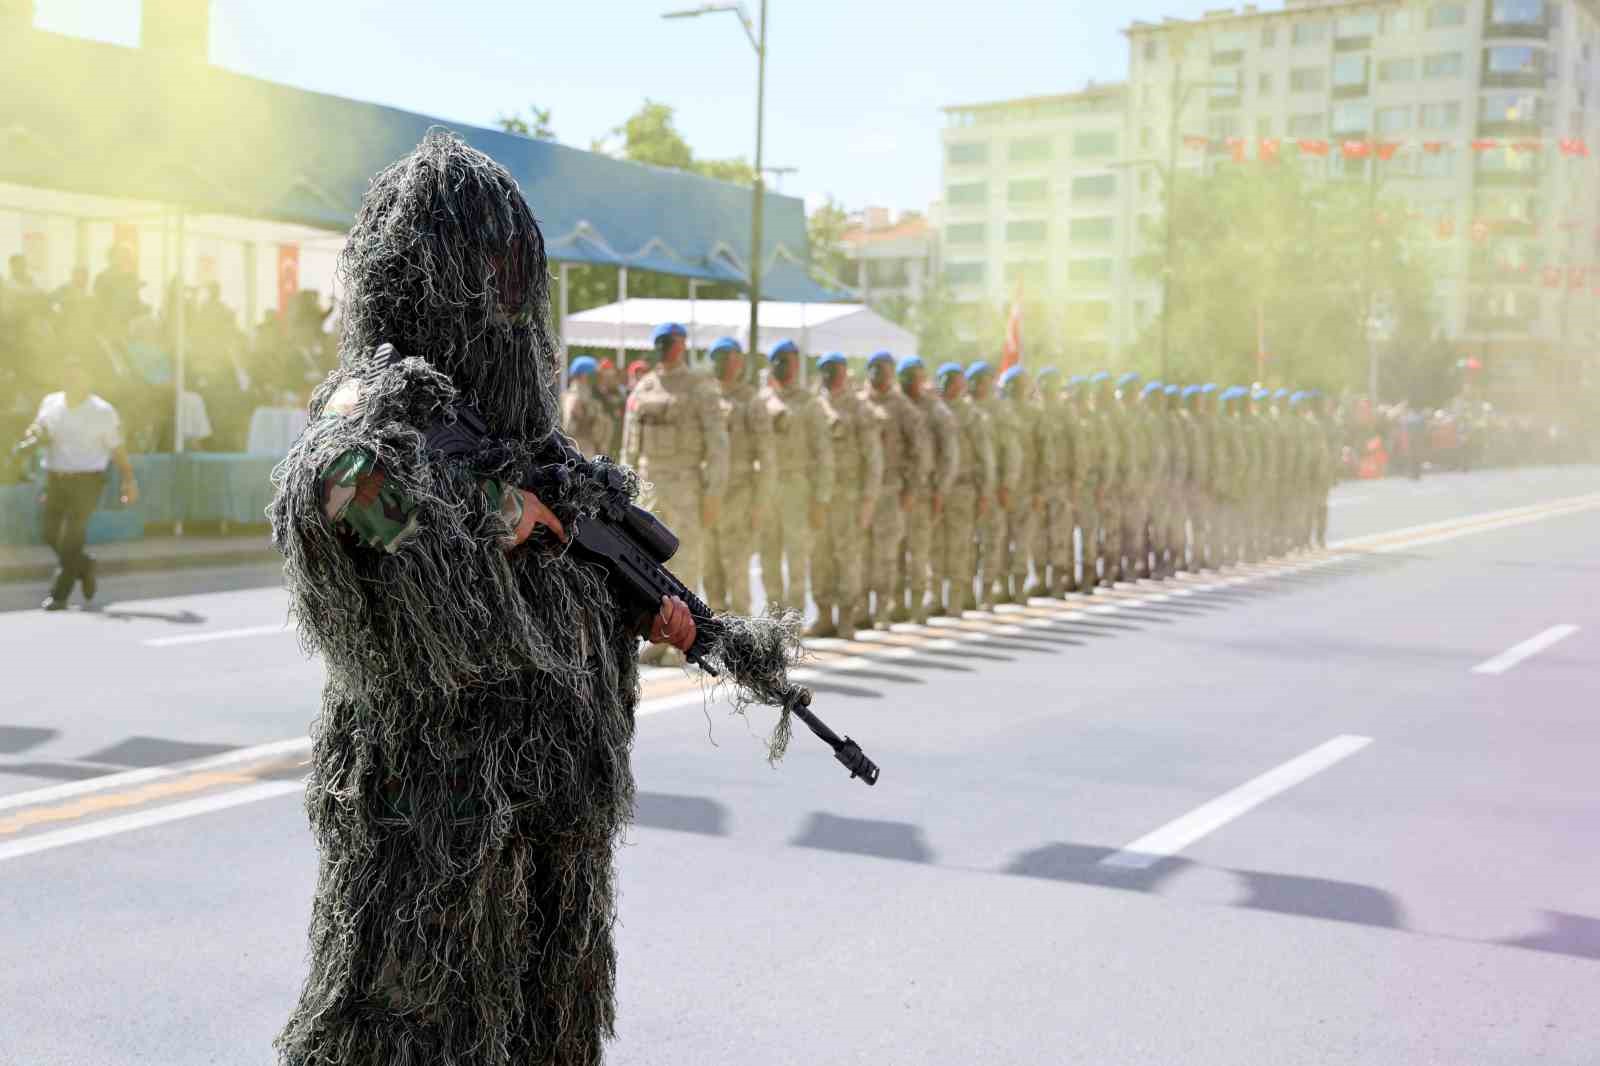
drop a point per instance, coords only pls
(631, 437)
(822, 471)
(949, 451)
(766, 448)
(988, 465)
(1049, 452)
(919, 441)
(872, 451)
(360, 501)
(714, 433)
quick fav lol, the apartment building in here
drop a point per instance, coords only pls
(889, 260)
(1033, 201)
(1515, 229)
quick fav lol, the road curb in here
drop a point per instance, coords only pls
(16, 573)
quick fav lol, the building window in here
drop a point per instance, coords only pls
(1150, 51)
(1445, 116)
(1089, 270)
(1513, 59)
(1089, 314)
(1027, 231)
(1397, 69)
(1090, 230)
(1306, 80)
(1518, 13)
(1028, 191)
(1144, 183)
(966, 233)
(1094, 187)
(1446, 16)
(967, 154)
(1349, 71)
(1305, 125)
(1309, 33)
(1221, 127)
(1094, 144)
(1146, 138)
(1264, 85)
(973, 192)
(964, 273)
(1031, 272)
(1352, 118)
(1510, 107)
(1030, 150)
(1263, 126)
(1269, 36)
(1397, 21)
(1442, 65)
(1394, 119)
(1364, 25)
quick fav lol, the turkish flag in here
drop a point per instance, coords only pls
(1577, 277)
(1485, 145)
(1196, 143)
(1236, 147)
(1267, 149)
(1574, 146)
(1355, 149)
(1312, 147)
(1387, 149)
(1552, 277)
(1528, 146)
(1433, 147)
(288, 276)
(1012, 355)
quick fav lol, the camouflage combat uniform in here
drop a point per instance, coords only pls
(1060, 556)
(752, 482)
(956, 536)
(839, 555)
(943, 436)
(907, 466)
(586, 419)
(1172, 515)
(804, 481)
(1017, 483)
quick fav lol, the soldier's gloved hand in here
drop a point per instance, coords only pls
(1005, 499)
(816, 516)
(938, 504)
(905, 501)
(983, 505)
(867, 509)
(673, 624)
(710, 509)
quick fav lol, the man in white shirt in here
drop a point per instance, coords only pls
(81, 436)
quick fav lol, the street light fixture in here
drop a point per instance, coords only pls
(757, 35)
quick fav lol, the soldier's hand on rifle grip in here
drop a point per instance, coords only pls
(535, 513)
(710, 510)
(673, 624)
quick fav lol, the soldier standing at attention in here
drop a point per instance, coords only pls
(1264, 472)
(1053, 561)
(1171, 515)
(674, 437)
(1008, 478)
(1105, 461)
(1079, 446)
(927, 509)
(1147, 503)
(1122, 521)
(1024, 518)
(583, 415)
(971, 497)
(838, 555)
(1197, 472)
(907, 466)
(752, 477)
(805, 478)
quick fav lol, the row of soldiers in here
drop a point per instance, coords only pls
(904, 497)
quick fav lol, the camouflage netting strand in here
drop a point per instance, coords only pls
(470, 774)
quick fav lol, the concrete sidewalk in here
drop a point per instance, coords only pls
(34, 562)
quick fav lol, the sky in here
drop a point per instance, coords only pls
(854, 87)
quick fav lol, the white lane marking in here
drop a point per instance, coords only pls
(1209, 817)
(217, 634)
(125, 823)
(1527, 649)
(1477, 522)
(239, 756)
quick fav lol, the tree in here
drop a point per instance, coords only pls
(536, 124)
(825, 229)
(1261, 252)
(650, 136)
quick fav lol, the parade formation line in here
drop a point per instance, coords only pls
(270, 770)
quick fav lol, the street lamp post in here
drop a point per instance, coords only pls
(757, 35)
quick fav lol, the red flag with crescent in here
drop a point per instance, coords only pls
(288, 276)
(1012, 355)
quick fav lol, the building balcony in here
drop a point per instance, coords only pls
(1516, 31)
(1522, 79)
(1511, 179)
(1224, 103)
(1519, 127)
(1231, 58)
(1353, 44)
(1348, 92)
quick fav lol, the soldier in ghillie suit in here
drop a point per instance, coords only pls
(470, 772)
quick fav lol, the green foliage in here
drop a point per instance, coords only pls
(825, 228)
(535, 124)
(1304, 259)
(650, 135)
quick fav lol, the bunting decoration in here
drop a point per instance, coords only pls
(1268, 149)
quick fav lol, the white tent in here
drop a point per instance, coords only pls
(854, 329)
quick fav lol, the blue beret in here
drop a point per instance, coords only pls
(1077, 379)
(909, 362)
(1280, 394)
(1232, 392)
(667, 329)
(1128, 379)
(980, 367)
(880, 356)
(1171, 390)
(1296, 398)
(1149, 387)
(723, 344)
(1098, 376)
(1047, 372)
(1188, 391)
(1209, 387)
(1315, 394)
(783, 347)
(831, 359)
(1010, 375)
(947, 368)
(582, 365)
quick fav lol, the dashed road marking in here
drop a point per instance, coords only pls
(1526, 650)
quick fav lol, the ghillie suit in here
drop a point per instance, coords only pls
(470, 773)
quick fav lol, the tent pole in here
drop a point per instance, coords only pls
(694, 287)
(622, 312)
(179, 358)
(561, 321)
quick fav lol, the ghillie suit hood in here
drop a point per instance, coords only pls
(470, 773)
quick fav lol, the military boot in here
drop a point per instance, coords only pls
(1033, 588)
(823, 626)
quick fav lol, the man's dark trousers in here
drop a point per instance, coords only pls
(69, 501)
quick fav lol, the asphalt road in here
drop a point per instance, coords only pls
(1336, 811)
